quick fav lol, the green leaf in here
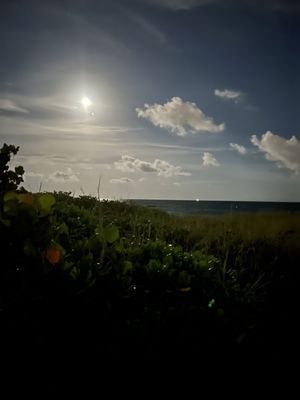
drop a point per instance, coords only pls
(128, 267)
(5, 222)
(10, 196)
(75, 273)
(119, 247)
(11, 208)
(67, 266)
(111, 233)
(63, 229)
(46, 201)
(184, 279)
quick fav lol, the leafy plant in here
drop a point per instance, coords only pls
(9, 180)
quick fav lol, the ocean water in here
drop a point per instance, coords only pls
(186, 207)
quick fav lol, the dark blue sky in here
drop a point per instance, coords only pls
(220, 80)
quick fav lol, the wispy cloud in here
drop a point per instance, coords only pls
(11, 106)
(276, 148)
(179, 4)
(179, 117)
(122, 180)
(147, 26)
(161, 167)
(57, 176)
(239, 148)
(36, 107)
(183, 148)
(226, 94)
(85, 127)
(90, 31)
(276, 5)
(33, 175)
(209, 160)
(62, 176)
(61, 115)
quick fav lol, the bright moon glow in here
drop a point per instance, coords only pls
(86, 102)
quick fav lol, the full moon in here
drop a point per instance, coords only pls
(85, 102)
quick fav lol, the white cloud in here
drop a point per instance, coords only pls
(179, 117)
(131, 164)
(209, 159)
(11, 106)
(176, 184)
(33, 175)
(276, 148)
(61, 176)
(121, 180)
(167, 170)
(239, 148)
(161, 167)
(226, 94)
(179, 4)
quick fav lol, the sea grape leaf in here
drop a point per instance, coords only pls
(46, 201)
(111, 233)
